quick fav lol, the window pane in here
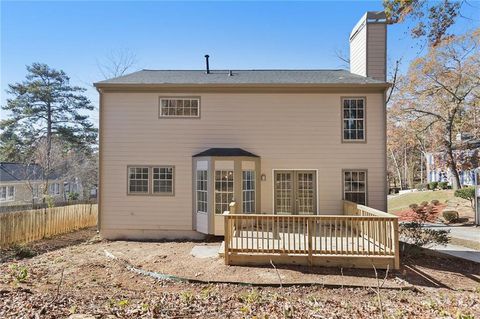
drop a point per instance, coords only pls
(162, 180)
(355, 188)
(353, 119)
(179, 107)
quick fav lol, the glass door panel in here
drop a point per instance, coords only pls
(284, 193)
(295, 192)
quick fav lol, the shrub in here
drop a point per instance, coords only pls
(421, 186)
(467, 193)
(432, 185)
(415, 234)
(443, 185)
(20, 273)
(50, 201)
(424, 203)
(413, 206)
(22, 252)
(73, 196)
(429, 209)
(450, 215)
(435, 202)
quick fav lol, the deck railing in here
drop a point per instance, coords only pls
(360, 238)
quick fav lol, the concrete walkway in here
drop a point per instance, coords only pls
(468, 233)
(471, 233)
(460, 252)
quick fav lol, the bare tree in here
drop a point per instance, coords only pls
(117, 63)
(440, 89)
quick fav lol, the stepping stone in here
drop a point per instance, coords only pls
(205, 251)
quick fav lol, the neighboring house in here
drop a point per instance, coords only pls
(176, 147)
(467, 151)
(22, 184)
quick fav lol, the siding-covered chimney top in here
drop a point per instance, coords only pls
(368, 46)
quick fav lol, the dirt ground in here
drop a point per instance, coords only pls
(71, 274)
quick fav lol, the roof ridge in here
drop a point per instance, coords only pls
(202, 70)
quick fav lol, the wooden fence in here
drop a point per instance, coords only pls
(26, 226)
(362, 237)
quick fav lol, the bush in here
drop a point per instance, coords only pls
(450, 215)
(421, 186)
(415, 234)
(73, 196)
(22, 252)
(443, 185)
(435, 202)
(467, 193)
(424, 203)
(432, 185)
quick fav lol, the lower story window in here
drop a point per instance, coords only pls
(54, 188)
(163, 180)
(248, 189)
(355, 186)
(223, 190)
(202, 189)
(138, 180)
(7, 193)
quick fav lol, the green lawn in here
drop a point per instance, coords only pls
(401, 202)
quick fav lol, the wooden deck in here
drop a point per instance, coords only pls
(361, 238)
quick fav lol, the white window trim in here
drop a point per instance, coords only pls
(162, 98)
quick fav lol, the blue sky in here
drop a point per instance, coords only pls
(74, 36)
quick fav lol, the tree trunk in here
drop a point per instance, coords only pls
(452, 165)
(397, 168)
(452, 162)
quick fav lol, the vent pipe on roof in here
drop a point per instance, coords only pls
(207, 65)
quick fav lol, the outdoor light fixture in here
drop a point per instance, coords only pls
(263, 177)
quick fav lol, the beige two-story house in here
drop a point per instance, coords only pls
(178, 146)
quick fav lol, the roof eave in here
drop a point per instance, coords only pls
(103, 85)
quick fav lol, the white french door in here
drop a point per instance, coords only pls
(295, 192)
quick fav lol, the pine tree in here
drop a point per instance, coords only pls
(45, 107)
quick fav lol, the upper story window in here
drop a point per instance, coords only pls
(7, 193)
(179, 107)
(353, 119)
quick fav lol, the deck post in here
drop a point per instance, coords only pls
(226, 222)
(310, 236)
(396, 243)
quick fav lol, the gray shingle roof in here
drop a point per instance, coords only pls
(199, 77)
(225, 152)
(14, 172)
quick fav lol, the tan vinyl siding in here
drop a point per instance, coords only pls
(288, 131)
(358, 53)
(376, 51)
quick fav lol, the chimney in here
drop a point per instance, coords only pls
(207, 65)
(368, 46)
